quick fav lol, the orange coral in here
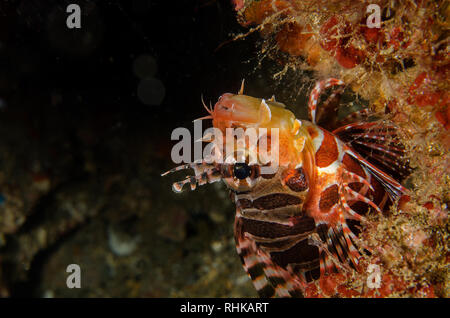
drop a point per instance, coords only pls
(401, 68)
(410, 37)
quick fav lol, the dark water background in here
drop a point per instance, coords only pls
(85, 122)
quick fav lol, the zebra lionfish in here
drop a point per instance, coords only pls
(297, 228)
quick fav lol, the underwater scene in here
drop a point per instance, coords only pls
(224, 149)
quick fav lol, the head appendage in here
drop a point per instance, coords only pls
(241, 90)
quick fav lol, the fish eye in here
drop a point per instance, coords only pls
(241, 170)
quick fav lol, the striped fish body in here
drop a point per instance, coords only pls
(295, 229)
(292, 229)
